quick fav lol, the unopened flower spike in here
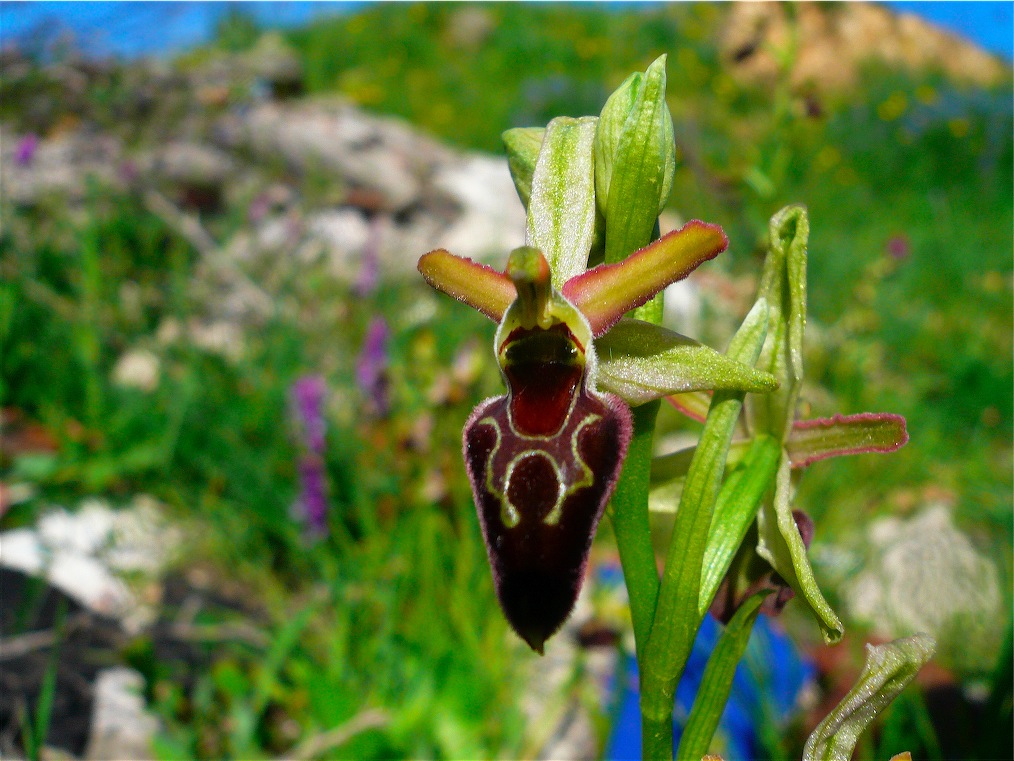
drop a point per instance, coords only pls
(543, 459)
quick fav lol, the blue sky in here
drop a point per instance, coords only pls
(159, 28)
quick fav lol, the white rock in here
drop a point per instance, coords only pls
(331, 136)
(492, 220)
(137, 368)
(121, 728)
(682, 308)
(60, 166)
(344, 234)
(926, 575)
(84, 553)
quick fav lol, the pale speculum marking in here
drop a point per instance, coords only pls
(535, 482)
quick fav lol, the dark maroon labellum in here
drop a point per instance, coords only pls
(543, 461)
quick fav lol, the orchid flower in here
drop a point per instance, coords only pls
(543, 459)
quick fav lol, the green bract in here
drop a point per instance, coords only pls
(888, 669)
(561, 210)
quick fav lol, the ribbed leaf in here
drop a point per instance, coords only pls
(735, 511)
(676, 622)
(888, 669)
(716, 683)
(782, 546)
(640, 362)
(561, 211)
(608, 291)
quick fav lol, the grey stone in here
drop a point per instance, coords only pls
(332, 136)
(192, 162)
(492, 219)
(926, 576)
(121, 728)
(60, 166)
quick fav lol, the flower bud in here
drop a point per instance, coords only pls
(635, 160)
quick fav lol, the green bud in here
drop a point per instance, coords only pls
(607, 138)
(635, 160)
(523, 144)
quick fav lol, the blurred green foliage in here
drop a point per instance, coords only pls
(908, 181)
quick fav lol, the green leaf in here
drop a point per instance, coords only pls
(735, 511)
(638, 165)
(523, 145)
(716, 683)
(783, 284)
(479, 286)
(676, 620)
(561, 211)
(888, 669)
(782, 546)
(820, 438)
(604, 294)
(640, 362)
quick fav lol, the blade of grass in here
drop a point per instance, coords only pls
(34, 733)
(737, 506)
(716, 684)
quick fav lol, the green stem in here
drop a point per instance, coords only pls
(631, 525)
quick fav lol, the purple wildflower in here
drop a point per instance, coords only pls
(128, 172)
(899, 247)
(308, 393)
(25, 150)
(312, 505)
(371, 366)
(259, 208)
